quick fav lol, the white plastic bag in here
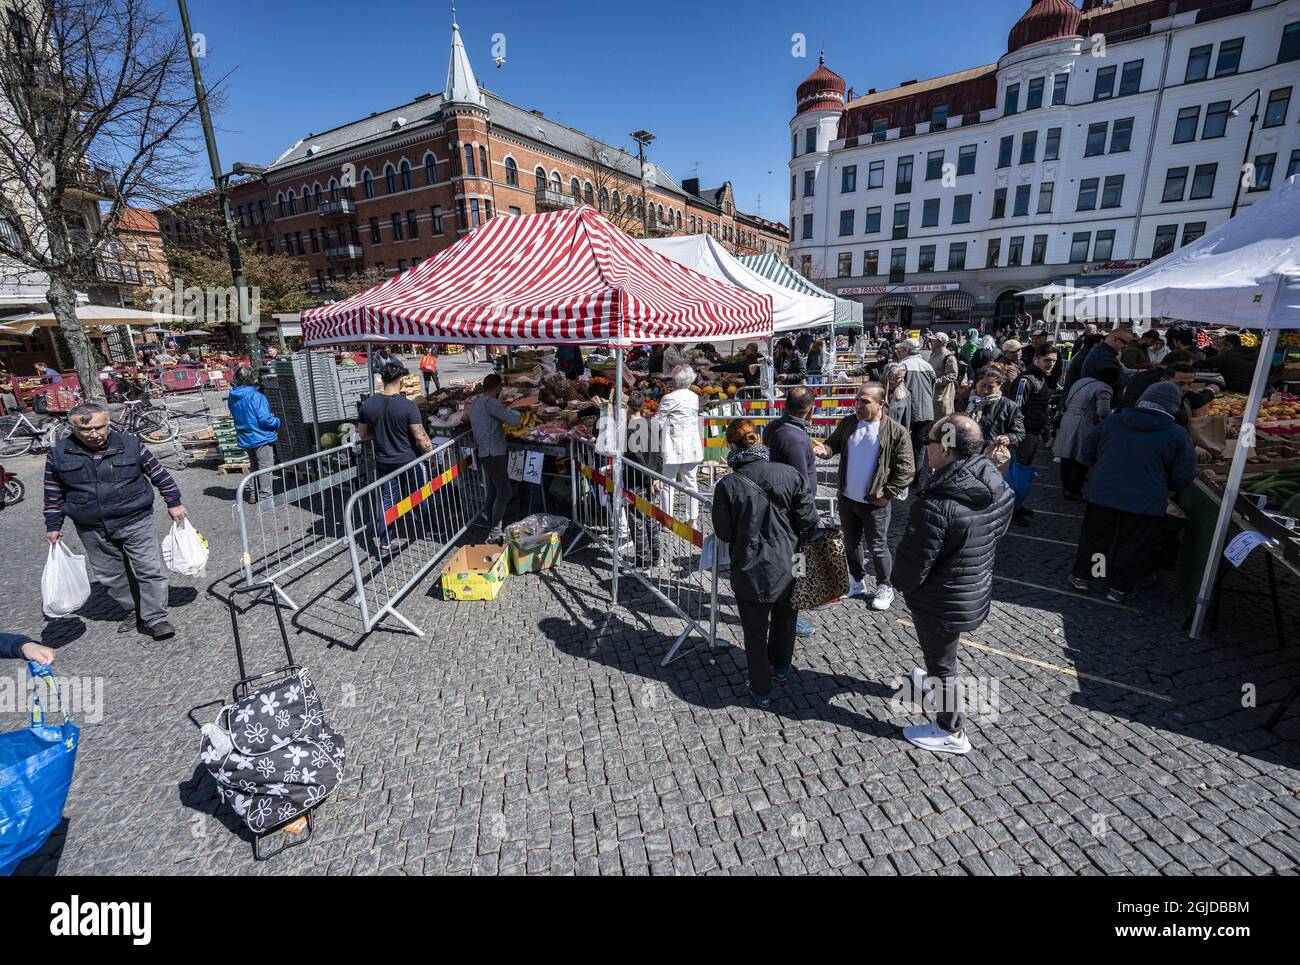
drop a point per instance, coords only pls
(184, 550)
(64, 583)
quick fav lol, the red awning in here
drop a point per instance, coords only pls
(954, 300)
(895, 301)
(566, 277)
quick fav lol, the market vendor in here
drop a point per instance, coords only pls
(673, 357)
(791, 369)
(568, 359)
(1235, 363)
(750, 366)
(487, 416)
(1180, 370)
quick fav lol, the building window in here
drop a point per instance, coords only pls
(401, 264)
(368, 185)
(871, 262)
(406, 175)
(430, 169)
(559, 189)
(307, 197)
(810, 141)
(925, 260)
(809, 181)
(1293, 168)
(297, 238)
(1028, 147)
(1203, 182)
(1096, 144)
(313, 241)
(1166, 238)
(293, 203)
(1052, 147)
(846, 224)
(876, 175)
(902, 217)
(957, 256)
(879, 130)
(397, 226)
(1189, 118)
(805, 266)
(903, 178)
(844, 264)
(1012, 104)
(1038, 253)
(1045, 192)
(930, 213)
(1216, 120)
(390, 177)
(1229, 57)
(1059, 84)
(1016, 252)
(966, 159)
(1088, 194)
(590, 198)
(939, 117)
(1264, 164)
(483, 162)
(1112, 192)
(1079, 245)
(1104, 247)
(1279, 102)
(934, 166)
(1005, 147)
(1104, 88)
(1175, 184)
(435, 214)
(1198, 63)
(961, 209)
(412, 225)
(512, 173)
(1035, 98)
(1121, 135)
(794, 181)
(999, 203)
(284, 209)
(1290, 47)
(1021, 207)
(849, 179)
(476, 217)
(871, 225)
(897, 264)
(807, 227)
(575, 189)
(1130, 80)
(994, 253)
(1191, 231)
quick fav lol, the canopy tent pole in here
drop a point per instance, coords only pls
(616, 511)
(311, 384)
(1245, 438)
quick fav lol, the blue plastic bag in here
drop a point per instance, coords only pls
(35, 775)
(1020, 478)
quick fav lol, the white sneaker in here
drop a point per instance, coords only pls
(883, 599)
(856, 587)
(923, 690)
(932, 737)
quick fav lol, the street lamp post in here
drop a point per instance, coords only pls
(643, 138)
(1250, 137)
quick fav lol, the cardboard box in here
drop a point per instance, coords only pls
(537, 553)
(475, 573)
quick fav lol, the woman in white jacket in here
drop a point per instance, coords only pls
(679, 439)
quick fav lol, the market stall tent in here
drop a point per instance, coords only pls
(1245, 273)
(791, 310)
(771, 266)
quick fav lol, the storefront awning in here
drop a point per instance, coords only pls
(959, 301)
(896, 301)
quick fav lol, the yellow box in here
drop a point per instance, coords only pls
(541, 554)
(475, 573)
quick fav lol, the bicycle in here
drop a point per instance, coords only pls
(139, 418)
(20, 435)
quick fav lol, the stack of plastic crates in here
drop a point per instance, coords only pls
(227, 442)
(290, 395)
(355, 383)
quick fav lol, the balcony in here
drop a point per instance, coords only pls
(548, 199)
(344, 253)
(337, 209)
(659, 228)
(91, 183)
(107, 270)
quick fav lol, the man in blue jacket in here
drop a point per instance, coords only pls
(1138, 456)
(789, 444)
(256, 429)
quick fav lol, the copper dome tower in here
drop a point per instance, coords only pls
(823, 89)
(1045, 20)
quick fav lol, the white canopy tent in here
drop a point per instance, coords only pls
(790, 309)
(1245, 273)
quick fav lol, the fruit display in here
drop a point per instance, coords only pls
(1279, 408)
(1248, 339)
(1290, 339)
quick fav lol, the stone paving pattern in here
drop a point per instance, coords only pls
(538, 734)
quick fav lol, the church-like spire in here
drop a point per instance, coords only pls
(461, 87)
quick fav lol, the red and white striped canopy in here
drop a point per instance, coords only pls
(568, 277)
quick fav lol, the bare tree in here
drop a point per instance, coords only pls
(607, 181)
(96, 99)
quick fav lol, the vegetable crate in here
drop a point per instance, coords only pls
(475, 573)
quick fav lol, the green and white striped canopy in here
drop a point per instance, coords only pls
(771, 267)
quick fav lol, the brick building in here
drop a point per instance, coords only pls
(381, 194)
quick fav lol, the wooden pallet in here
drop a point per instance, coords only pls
(228, 468)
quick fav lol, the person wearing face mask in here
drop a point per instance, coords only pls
(999, 418)
(876, 467)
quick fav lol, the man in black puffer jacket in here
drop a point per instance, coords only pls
(945, 567)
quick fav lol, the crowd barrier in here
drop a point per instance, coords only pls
(303, 518)
(648, 538)
(420, 510)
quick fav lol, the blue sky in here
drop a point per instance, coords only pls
(714, 81)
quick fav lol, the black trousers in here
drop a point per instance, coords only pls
(1073, 475)
(496, 475)
(920, 433)
(769, 637)
(939, 648)
(1117, 546)
(427, 376)
(872, 522)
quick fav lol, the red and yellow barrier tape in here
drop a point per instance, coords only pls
(644, 506)
(424, 492)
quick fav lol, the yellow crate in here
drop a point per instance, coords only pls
(541, 555)
(475, 573)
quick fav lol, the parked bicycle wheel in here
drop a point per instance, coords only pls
(15, 438)
(156, 426)
(13, 491)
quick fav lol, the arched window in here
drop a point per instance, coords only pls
(540, 176)
(368, 184)
(469, 160)
(406, 175)
(604, 199)
(616, 206)
(631, 204)
(293, 202)
(483, 162)
(430, 169)
(659, 213)
(575, 189)
(334, 191)
(306, 197)
(679, 221)
(587, 196)
(279, 203)
(555, 182)
(390, 176)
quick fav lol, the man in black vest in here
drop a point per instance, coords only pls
(104, 480)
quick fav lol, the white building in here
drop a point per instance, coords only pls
(1104, 137)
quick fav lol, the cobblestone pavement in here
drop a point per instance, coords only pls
(538, 733)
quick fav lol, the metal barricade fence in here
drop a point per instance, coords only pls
(713, 430)
(402, 524)
(649, 538)
(298, 515)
